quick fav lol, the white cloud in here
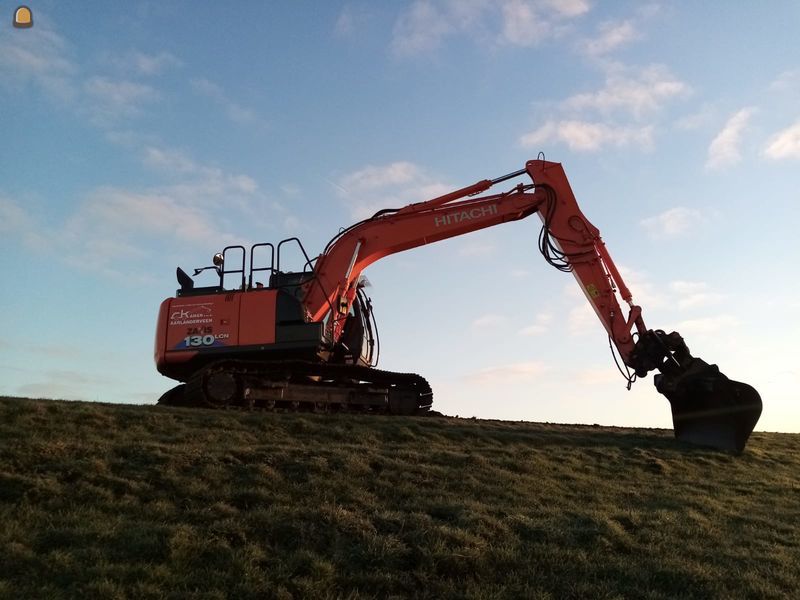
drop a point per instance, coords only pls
(673, 222)
(612, 35)
(612, 116)
(694, 294)
(234, 111)
(63, 384)
(489, 321)
(394, 185)
(645, 292)
(240, 114)
(168, 160)
(786, 81)
(724, 149)
(351, 20)
(15, 220)
(371, 177)
(243, 183)
(421, 29)
(599, 376)
(530, 22)
(12, 216)
(784, 144)
(112, 99)
(209, 89)
(567, 8)
(426, 24)
(120, 212)
(511, 373)
(152, 64)
(291, 224)
(584, 136)
(644, 92)
(582, 320)
(213, 179)
(540, 326)
(39, 57)
(345, 23)
(707, 325)
(695, 120)
(116, 226)
(43, 58)
(688, 287)
(522, 26)
(141, 63)
(291, 189)
(477, 249)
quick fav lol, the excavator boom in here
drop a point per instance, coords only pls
(707, 407)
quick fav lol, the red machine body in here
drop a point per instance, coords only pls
(188, 325)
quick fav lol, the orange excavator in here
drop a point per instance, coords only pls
(307, 340)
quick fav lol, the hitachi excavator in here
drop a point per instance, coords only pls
(306, 340)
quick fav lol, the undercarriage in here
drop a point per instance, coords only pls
(302, 386)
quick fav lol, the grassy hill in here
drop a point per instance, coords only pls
(110, 501)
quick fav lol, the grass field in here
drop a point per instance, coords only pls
(110, 501)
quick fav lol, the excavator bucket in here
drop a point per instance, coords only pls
(708, 409)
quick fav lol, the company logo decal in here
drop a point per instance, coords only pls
(191, 314)
(465, 215)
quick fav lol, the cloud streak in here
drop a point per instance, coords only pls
(724, 150)
(612, 35)
(672, 223)
(392, 185)
(489, 321)
(112, 99)
(694, 294)
(612, 116)
(509, 374)
(239, 114)
(427, 24)
(638, 94)
(708, 325)
(785, 144)
(586, 136)
(40, 58)
(113, 225)
(154, 64)
(540, 326)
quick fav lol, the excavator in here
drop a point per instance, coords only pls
(307, 339)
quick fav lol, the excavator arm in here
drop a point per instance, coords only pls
(708, 408)
(568, 241)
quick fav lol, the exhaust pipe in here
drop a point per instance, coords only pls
(708, 409)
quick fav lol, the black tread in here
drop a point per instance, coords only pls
(294, 370)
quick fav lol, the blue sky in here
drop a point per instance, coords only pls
(140, 138)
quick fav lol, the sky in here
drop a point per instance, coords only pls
(135, 138)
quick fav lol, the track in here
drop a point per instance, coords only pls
(302, 386)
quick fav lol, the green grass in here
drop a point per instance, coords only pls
(110, 501)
